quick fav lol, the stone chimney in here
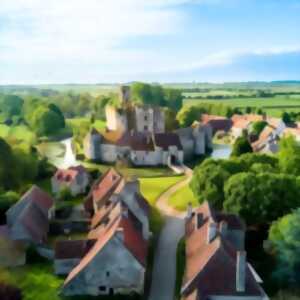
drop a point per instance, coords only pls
(199, 220)
(223, 228)
(211, 231)
(241, 271)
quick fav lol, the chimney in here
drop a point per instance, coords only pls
(199, 220)
(223, 228)
(189, 210)
(241, 271)
(211, 232)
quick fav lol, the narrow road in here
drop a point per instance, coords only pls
(164, 270)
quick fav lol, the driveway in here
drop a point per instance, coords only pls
(164, 269)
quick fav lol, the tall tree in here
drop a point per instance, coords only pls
(284, 236)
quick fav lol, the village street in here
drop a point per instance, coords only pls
(164, 269)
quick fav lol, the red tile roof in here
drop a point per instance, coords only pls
(165, 140)
(211, 267)
(137, 141)
(133, 242)
(39, 197)
(103, 188)
(69, 175)
(35, 222)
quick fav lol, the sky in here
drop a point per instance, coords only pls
(106, 41)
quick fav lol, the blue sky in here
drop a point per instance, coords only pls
(63, 41)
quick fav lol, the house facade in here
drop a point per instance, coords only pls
(121, 251)
(216, 263)
(75, 179)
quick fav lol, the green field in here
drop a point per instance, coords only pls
(182, 198)
(273, 106)
(152, 188)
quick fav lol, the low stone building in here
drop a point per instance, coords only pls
(216, 265)
(120, 250)
(75, 179)
(28, 219)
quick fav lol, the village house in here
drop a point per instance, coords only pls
(101, 190)
(216, 123)
(216, 265)
(240, 123)
(136, 134)
(112, 188)
(75, 179)
(120, 250)
(28, 219)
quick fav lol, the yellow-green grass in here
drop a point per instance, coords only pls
(19, 133)
(152, 188)
(181, 198)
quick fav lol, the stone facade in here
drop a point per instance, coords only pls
(137, 135)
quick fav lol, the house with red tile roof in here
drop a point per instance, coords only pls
(217, 123)
(101, 190)
(216, 265)
(28, 219)
(75, 179)
(116, 263)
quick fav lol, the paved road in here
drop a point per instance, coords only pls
(164, 269)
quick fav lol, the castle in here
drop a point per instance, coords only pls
(136, 133)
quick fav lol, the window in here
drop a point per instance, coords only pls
(102, 288)
(145, 127)
(146, 118)
(107, 274)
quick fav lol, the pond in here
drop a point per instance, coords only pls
(221, 151)
(60, 154)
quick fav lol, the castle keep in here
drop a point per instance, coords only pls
(136, 133)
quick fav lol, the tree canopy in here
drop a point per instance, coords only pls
(284, 237)
(241, 146)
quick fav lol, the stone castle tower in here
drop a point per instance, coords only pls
(139, 118)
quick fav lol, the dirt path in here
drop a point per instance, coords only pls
(164, 269)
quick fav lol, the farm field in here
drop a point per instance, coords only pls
(273, 106)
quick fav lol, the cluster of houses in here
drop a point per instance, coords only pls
(266, 142)
(216, 263)
(110, 259)
(136, 134)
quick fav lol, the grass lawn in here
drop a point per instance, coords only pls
(130, 172)
(151, 188)
(182, 197)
